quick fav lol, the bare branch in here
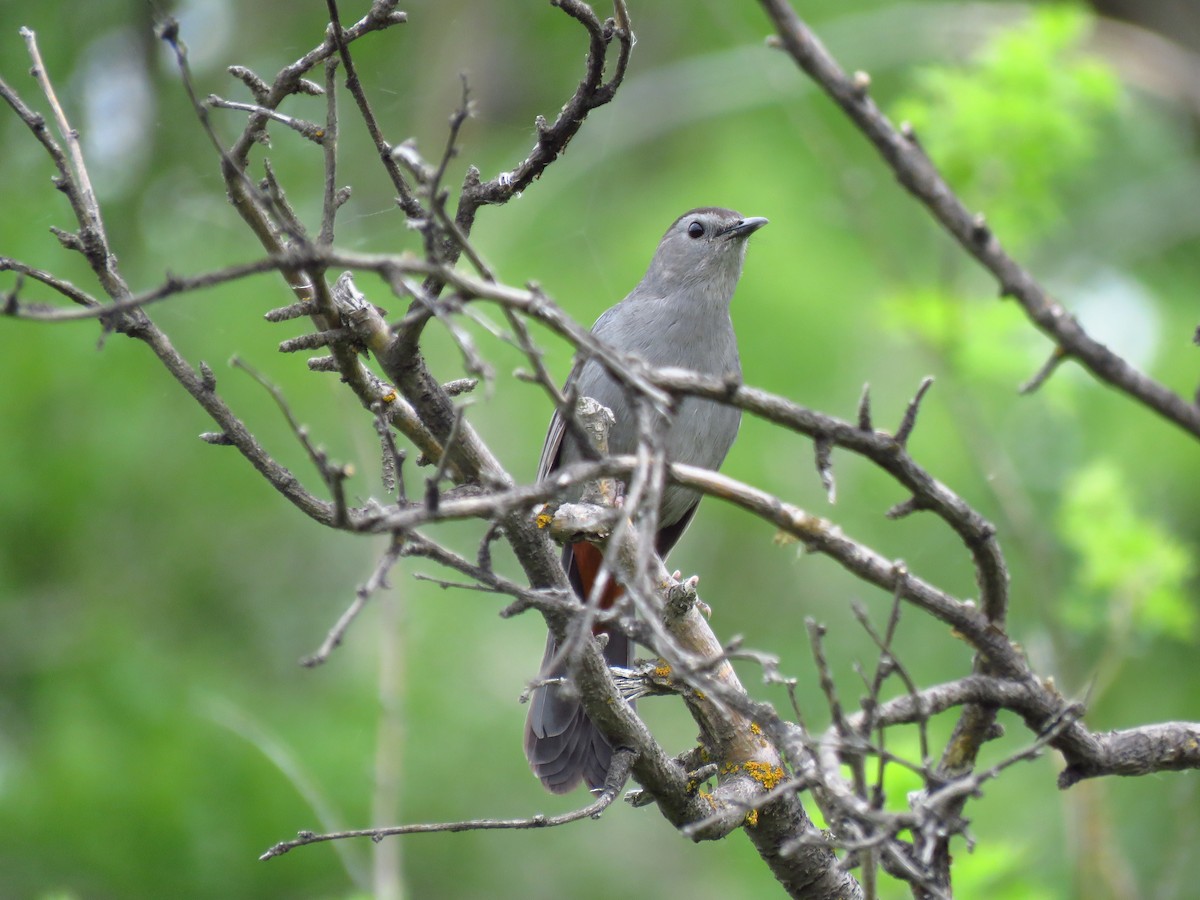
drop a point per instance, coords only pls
(40, 311)
(619, 772)
(918, 175)
(333, 476)
(308, 130)
(405, 196)
(362, 594)
(552, 139)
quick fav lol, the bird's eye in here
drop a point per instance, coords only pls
(695, 230)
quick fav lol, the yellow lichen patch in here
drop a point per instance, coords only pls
(390, 396)
(752, 818)
(767, 775)
(544, 519)
(662, 670)
(754, 729)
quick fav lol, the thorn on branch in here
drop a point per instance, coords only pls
(864, 410)
(823, 449)
(906, 508)
(273, 190)
(292, 311)
(208, 380)
(258, 88)
(483, 557)
(216, 438)
(323, 364)
(460, 386)
(316, 340)
(69, 239)
(407, 154)
(910, 414)
(1057, 356)
(11, 304)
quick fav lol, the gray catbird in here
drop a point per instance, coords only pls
(678, 315)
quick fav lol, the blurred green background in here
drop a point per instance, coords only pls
(156, 732)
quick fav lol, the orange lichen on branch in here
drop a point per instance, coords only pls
(767, 775)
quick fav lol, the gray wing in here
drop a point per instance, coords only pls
(561, 743)
(552, 449)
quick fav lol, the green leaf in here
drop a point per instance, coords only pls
(1017, 124)
(1131, 571)
(987, 341)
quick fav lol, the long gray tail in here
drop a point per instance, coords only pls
(561, 743)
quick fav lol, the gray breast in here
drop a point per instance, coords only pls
(701, 431)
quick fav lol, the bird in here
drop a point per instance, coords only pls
(678, 315)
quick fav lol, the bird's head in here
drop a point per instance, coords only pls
(703, 247)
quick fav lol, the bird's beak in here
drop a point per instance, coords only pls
(745, 227)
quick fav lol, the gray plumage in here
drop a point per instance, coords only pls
(678, 315)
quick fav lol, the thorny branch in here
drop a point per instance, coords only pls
(760, 760)
(917, 173)
(618, 775)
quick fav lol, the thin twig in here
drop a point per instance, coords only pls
(377, 582)
(917, 173)
(622, 759)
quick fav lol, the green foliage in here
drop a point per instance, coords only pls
(999, 870)
(144, 574)
(1132, 572)
(980, 340)
(1019, 121)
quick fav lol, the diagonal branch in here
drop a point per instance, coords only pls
(618, 775)
(917, 173)
(552, 138)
